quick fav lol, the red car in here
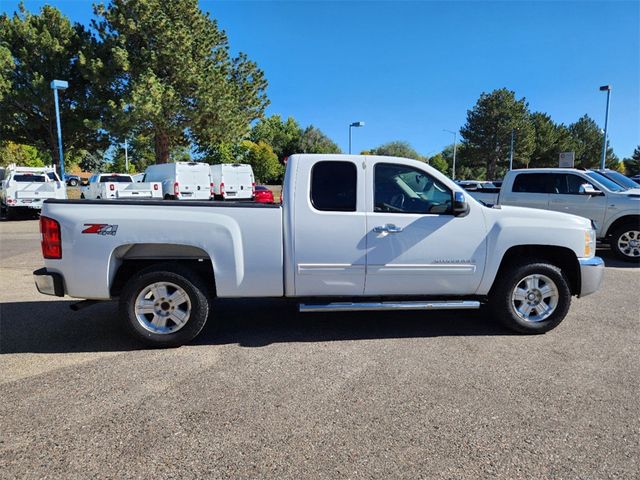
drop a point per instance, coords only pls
(263, 194)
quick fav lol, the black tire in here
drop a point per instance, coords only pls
(73, 182)
(504, 308)
(629, 230)
(189, 281)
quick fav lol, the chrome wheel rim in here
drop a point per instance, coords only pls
(162, 308)
(535, 298)
(629, 243)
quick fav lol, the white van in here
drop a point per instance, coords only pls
(182, 180)
(232, 181)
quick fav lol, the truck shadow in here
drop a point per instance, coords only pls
(51, 327)
(611, 261)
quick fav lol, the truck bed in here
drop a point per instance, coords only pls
(243, 241)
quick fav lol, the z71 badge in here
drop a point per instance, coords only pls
(100, 228)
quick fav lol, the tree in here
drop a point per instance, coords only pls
(35, 49)
(312, 140)
(21, 155)
(439, 163)
(550, 139)
(486, 136)
(175, 76)
(586, 142)
(283, 136)
(632, 165)
(397, 149)
(92, 161)
(263, 161)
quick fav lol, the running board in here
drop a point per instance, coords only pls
(381, 306)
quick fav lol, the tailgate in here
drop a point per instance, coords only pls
(30, 191)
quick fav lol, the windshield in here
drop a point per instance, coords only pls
(605, 182)
(28, 177)
(620, 179)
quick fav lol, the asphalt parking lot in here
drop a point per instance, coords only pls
(265, 392)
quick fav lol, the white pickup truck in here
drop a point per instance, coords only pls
(353, 233)
(119, 185)
(23, 189)
(614, 209)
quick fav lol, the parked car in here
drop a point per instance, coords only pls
(23, 189)
(263, 194)
(354, 233)
(614, 209)
(486, 192)
(182, 180)
(619, 178)
(119, 186)
(232, 181)
(72, 180)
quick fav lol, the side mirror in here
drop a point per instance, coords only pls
(588, 189)
(460, 205)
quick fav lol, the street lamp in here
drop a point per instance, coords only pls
(55, 86)
(513, 134)
(605, 88)
(354, 124)
(455, 146)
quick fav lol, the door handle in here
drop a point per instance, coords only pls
(388, 228)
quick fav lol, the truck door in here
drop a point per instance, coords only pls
(415, 245)
(330, 228)
(567, 197)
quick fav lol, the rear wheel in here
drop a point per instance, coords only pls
(73, 182)
(625, 243)
(531, 298)
(164, 305)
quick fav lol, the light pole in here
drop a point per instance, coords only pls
(59, 85)
(126, 156)
(605, 88)
(513, 134)
(455, 146)
(354, 124)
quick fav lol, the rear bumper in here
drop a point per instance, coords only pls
(591, 275)
(49, 283)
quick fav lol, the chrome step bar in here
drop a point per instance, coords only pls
(382, 306)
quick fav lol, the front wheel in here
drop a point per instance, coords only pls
(73, 182)
(625, 243)
(531, 298)
(164, 305)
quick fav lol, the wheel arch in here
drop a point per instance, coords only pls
(624, 220)
(562, 257)
(129, 259)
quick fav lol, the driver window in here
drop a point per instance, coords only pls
(404, 189)
(574, 182)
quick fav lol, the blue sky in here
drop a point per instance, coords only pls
(411, 69)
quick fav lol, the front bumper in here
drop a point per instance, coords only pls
(591, 275)
(49, 283)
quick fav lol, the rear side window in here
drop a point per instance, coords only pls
(115, 179)
(28, 177)
(533, 183)
(333, 186)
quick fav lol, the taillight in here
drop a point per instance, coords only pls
(51, 239)
(253, 188)
(176, 189)
(222, 188)
(112, 187)
(212, 188)
(155, 186)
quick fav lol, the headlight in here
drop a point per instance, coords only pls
(589, 242)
